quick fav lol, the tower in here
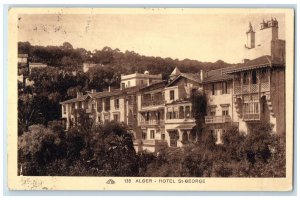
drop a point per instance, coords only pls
(250, 37)
(270, 26)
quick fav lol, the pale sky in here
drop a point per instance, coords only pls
(203, 37)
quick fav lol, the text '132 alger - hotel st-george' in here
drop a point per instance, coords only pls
(159, 112)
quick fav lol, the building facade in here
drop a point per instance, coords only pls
(159, 112)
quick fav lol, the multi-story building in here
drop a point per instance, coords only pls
(218, 88)
(160, 112)
(135, 79)
(151, 116)
(179, 121)
(251, 91)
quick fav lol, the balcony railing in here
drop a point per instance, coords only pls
(265, 87)
(154, 102)
(217, 119)
(251, 88)
(152, 122)
(251, 117)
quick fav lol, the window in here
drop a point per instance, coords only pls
(181, 112)
(169, 115)
(128, 84)
(144, 135)
(99, 118)
(123, 85)
(116, 117)
(107, 104)
(214, 92)
(172, 95)
(117, 104)
(224, 88)
(152, 134)
(142, 82)
(176, 113)
(93, 106)
(254, 78)
(187, 112)
(163, 136)
(212, 111)
(64, 109)
(99, 105)
(245, 78)
(225, 110)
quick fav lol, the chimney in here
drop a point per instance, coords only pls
(93, 91)
(246, 60)
(79, 94)
(201, 75)
(109, 88)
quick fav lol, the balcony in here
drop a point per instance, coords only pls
(154, 102)
(251, 117)
(217, 119)
(152, 122)
(251, 88)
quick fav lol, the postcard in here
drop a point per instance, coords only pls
(152, 99)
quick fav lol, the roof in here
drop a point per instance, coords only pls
(175, 72)
(154, 86)
(134, 89)
(80, 98)
(216, 76)
(190, 76)
(107, 93)
(260, 62)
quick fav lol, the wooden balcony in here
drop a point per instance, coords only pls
(251, 88)
(251, 117)
(217, 119)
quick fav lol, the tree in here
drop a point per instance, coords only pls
(38, 147)
(199, 106)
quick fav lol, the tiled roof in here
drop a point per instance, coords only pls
(134, 89)
(216, 75)
(263, 61)
(194, 77)
(154, 86)
(80, 98)
(107, 93)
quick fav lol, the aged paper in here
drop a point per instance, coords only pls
(242, 60)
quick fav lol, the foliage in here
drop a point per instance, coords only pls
(106, 151)
(199, 105)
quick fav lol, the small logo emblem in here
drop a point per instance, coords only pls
(110, 181)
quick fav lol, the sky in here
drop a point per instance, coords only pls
(203, 37)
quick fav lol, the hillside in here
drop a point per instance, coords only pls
(67, 57)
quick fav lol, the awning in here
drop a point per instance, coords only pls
(186, 126)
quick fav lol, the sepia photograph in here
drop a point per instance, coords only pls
(149, 97)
